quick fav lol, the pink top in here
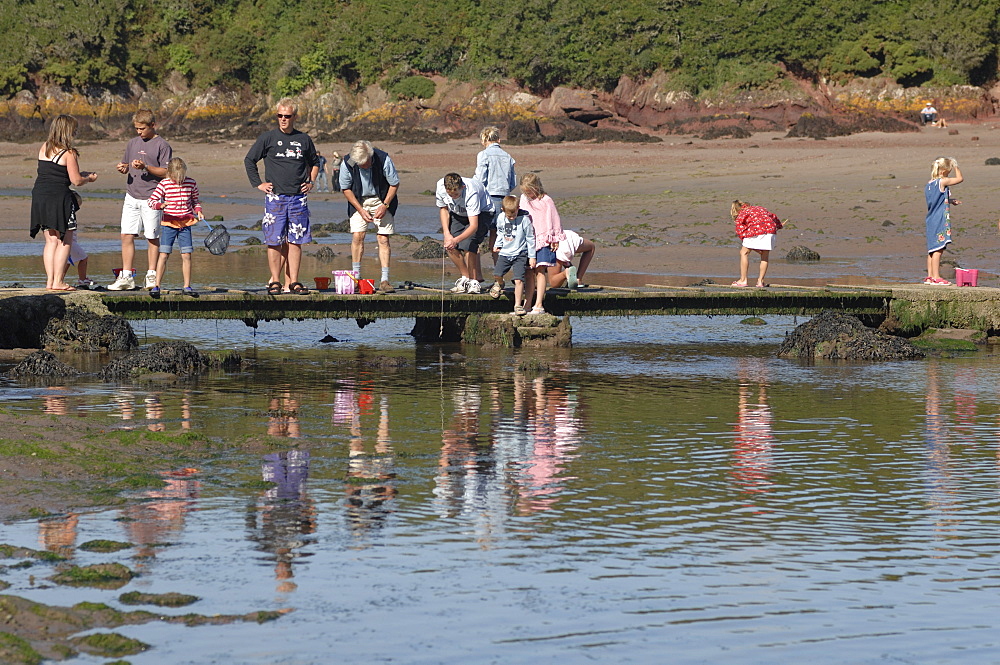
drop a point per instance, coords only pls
(179, 202)
(544, 219)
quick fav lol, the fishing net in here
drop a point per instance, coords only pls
(217, 240)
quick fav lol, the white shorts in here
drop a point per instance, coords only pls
(765, 242)
(138, 219)
(383, 227)
(76, 251)
(568, 247)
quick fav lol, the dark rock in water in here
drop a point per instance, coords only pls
(429, 249)
(753, 321)
(993, 161)
(23, 319)
(841, 336)
(888, 222)
(82, 330)
(180, 358)
(42, 363)
(252, 240)
(704, 282)
(385, 362)
(801, 253)
(325, 254)
(343, 226)
(329, 339)
(817, 127)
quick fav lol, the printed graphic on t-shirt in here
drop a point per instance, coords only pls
(294, 150)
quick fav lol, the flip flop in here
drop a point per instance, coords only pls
(738, 285)
(274, 288)
(762, 286)
(65, 288)
(298, 288)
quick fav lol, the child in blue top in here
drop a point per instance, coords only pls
(516, 246)
(944, 174)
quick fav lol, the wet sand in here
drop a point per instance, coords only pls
(657, 212)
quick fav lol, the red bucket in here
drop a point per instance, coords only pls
(367, 286)
(322, 283)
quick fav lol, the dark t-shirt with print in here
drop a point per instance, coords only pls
(288, 160)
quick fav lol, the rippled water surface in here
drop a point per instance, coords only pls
(667, 491)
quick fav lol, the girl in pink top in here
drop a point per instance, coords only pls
(548, 234)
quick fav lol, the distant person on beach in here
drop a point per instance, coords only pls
(177, 197)
(928, 114)
(290, 168)
(463, 205)
(322, 183)
(548, 235)
(944, 174)
(53, 208)
(369, 181)
(495, 172)
(515, 249)
(569, 274)
(335, 170)
(145, 163)
(756, 227)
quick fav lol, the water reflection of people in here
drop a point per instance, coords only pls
(155, 522)
(554, 426)
(282, 520)
(58, 534)
(940, 486)
(283, 416)
(458, 464)
(753, 462)
(371, 473)
(55, 403)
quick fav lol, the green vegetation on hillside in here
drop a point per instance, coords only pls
(284, 47)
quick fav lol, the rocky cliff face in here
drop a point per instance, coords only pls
(458, 108)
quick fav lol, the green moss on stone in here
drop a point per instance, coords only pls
(105, 546)
(110, 644)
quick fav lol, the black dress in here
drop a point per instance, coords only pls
(52, 205)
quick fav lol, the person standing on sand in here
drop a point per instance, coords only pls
(145, 163)
(290, 167)
(322, 183)
(53, 210)
(756, 227)
(369, 181)
(938, 219)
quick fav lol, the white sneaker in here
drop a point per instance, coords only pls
(571, 280)
(150, 279)
(460, 285)
(473, 286)
(125, 282)
(85, 283)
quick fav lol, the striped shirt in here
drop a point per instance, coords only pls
(179, 202)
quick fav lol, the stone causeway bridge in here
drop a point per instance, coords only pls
(443, 316)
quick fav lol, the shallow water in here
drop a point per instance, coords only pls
(666, 492)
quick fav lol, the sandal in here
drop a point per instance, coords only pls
(298, 288)
(496, 290)
(738, 285)
(519, 310)
(274, 288)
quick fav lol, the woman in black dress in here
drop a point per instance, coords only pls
(53, 210)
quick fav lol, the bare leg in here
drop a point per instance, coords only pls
(275, 261)
(161, 267)
(744, 265)
(60, 258)
(49, 256)
(457, 257)
(185, 269)
(81, 267)
(587, 251)
(128, 251)
(764, 254)
(293, 254)
(540, 288)
(384, 250)
(472, 268)
(558, 277)
(357, 246)
(518, 291)
(934, 264)
(152, 252)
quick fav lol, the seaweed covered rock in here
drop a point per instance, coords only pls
(23, 319)
(837, 335)
(429, 249)
(81, 330)
(801, 253)
(42, 363)
(180, 358)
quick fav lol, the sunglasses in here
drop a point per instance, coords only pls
(286, 115)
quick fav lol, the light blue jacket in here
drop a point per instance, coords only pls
(515, 236)
(495, 170)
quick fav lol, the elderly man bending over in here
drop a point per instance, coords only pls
(369, 181)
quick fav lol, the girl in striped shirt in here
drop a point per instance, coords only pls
(177, 196)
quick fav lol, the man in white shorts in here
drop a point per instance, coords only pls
(145, 163)
(369, 181)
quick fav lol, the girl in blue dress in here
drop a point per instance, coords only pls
(944, 174)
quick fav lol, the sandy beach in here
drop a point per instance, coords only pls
(657, 212)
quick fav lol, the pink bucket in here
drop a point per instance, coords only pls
(343, 282)
(966, 276)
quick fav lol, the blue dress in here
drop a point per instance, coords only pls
(938, 216)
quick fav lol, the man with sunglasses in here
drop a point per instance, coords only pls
(290, 166)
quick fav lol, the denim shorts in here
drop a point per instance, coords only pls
(545, 257)
(169, 234)
(517, 265)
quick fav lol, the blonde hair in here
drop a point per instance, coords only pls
(287, 103)
(943, 166)
(510, 205)
(531, 186)
(177, 170)
(144, 117)
(734, 211)
(61, 133)
(489, 134)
